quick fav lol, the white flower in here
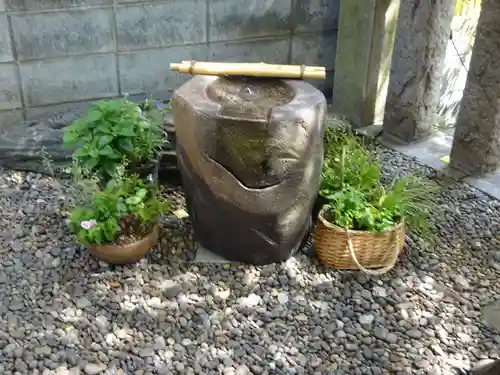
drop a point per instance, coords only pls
(87, 224)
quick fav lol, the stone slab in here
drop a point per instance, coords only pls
(326, 85)
(363, 59)
(316, 15)
(137, 1)
(64, 109)
(10, 97)
(491, 316)
(206, 256)
(430, 151)
(239, 19)
(52, 34)
(5, 45)
(352, 60)
(175, 22)
(273, 51)
(489, 184)
(69, 79)
(20, 5)
(314, 49)
(149, 71)
(10, 119)
(427, 150)
(55, 110)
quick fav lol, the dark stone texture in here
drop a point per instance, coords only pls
(20, 5)
(418, 58)
(316, 49)
(157, 78)
(5, 44)
(476, 144)
(250, 154)
(492, 368)
(31, 144)
(74, 78)
(164, 24)
(316, 15)
(243, 19)
(51, 34)
(273, 51)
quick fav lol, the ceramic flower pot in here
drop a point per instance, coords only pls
(125, 254)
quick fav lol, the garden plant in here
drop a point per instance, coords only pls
(117, 149)
(357, 204)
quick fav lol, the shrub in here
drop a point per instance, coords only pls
(116, 133)
(128, 207)
(357, 199)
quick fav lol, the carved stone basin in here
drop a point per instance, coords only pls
(250, 152)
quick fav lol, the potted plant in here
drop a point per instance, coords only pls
(362, 225)
(121, 223)
(118, 133)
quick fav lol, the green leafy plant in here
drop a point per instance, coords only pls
(349, 160)
(116, 133)
(127, 207)
(357, 199)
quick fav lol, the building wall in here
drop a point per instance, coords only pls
(58, 53)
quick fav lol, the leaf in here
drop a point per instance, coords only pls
(104, 127)
(445, 159)
(125, 131)
(109, 152)
(126, 145)
(81, 153)
(109, 167)
(94, 115)
(133, 200)
(105, 140)
(69, 138)
(90, 164)
(93, 153)
(142, 192)
(97, 234)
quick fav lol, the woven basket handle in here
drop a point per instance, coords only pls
(377, 272)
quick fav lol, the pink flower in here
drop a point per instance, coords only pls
(87, 224)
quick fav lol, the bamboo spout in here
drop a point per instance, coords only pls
(249, 69)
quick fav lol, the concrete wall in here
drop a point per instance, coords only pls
(55, 52)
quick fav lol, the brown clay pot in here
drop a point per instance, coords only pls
(127, 254)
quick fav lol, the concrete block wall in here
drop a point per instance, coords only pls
(59, 53)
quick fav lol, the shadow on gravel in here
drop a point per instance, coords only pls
(61, 309)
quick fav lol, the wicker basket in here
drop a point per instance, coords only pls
(374, 254)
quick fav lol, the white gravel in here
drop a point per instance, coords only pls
(62, 312)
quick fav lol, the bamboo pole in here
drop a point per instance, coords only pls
(249, 69)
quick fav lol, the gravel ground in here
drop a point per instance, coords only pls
(62, 312)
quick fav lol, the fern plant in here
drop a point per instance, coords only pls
(357, 199)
